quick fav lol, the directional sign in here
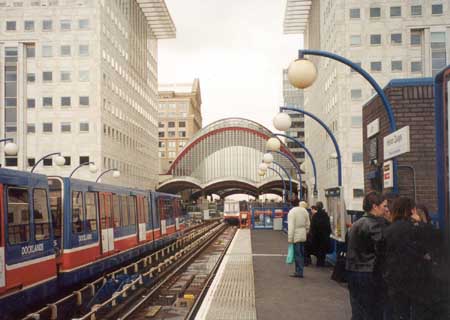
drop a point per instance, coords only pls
(397, 143)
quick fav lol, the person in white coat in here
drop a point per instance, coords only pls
(298, 227)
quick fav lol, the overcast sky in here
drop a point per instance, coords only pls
(236, 48)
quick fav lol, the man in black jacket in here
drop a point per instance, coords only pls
(320, 234)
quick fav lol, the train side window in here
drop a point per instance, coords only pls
(40, 215)
(145, 209)
(124, 210)
(116, 210)
(91, 211)
(132, 208)
(77, 212)
(56, 206)
(18, 216)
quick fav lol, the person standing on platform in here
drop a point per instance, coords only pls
(320, 234)
(308, 244)
(298, 227)
(364, 250)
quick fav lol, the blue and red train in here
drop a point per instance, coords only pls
(57, 232)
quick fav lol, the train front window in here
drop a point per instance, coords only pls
(91, 211)
(18, 216)
(40, 215)
(77, 212)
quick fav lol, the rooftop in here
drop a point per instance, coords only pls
(296, 16)
(158, 18)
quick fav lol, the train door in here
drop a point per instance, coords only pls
(141, 219)
(162, 215)
(2, 242)
(176, 213)
(106, 222)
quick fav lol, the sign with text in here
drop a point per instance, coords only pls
(388, 177)
(396, 143)
(373, 128)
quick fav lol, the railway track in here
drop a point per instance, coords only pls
(115, 289)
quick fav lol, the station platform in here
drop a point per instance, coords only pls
(253, 283)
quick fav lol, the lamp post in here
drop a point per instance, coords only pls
(116, 173)
(302, 73)
(10, 148)
(59, 160)
(302, 145)
(92, 168)
(284, 186)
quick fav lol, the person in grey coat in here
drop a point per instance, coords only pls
(298, 227)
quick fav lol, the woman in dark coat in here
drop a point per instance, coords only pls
(320, 234)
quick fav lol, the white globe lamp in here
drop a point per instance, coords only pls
(60, 161)
(273, 144)
(333, 155)
(116, 174)
(282, 121)
(302, 73)
(92, 168)
(263, 167)
(261, 173)
(11, 149)
(268, 158)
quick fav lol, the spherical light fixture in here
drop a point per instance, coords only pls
(116, 173)
(273, 144)
(11, 149)
(261, 173)
(268, 158)
(60, 161)
(92, 168)
(302, 73)
(263, 167)
(282, 121)
(333, 155)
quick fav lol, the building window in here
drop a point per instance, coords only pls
(375, 39)
(66, 51)
(160, 125)
(357, 157)
(31, 162)
(84, 159)
(65, 25)
(66, 102)
(162, 154)
(358, 193)
(65, 76)
(11, 162)
(396, 65)
(161, 144)
(66, 127)
(356, 121)
(172, 144)
(31, 78)
(182, 124)
(47, 51)
(171, 134)
(356, 94)
(171, 124)
(48, 162)
(416, 10)
(375, 66)
(437, 9)
(68, 161)
(84, 75)
(416, 37)
(83, 50)
(181, 144)
(375, 12)
(172, 154)
(47, 76)
(438, 52)
(396, 38)
(416, 66)
(28, 25)
(11, 26)
(355, 13)
(31, 51)
(161, 134)
(31, 103)
(182, 134)
(47, 25)
(355, 40)
(83, 24)
(84, 126)
(84, 101)
(396, 11)
(47, 127)
(31, 128)
(47, 102)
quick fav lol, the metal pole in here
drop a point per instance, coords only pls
(44, 157)
(104, 172)
(373, 83)
(7, 139)
(282, 179)
(81, 165)
(302, 145)
(297, 168)
(289, 176)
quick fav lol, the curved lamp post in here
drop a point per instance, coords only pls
(92, 168)
(284, 186)
(59, 160)
(302, 73)
(302, 145)
(10, 148)
(116, 173)
(286, 173)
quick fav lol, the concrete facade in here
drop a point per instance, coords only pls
(389, 39)
(87, 86)
(180, 117)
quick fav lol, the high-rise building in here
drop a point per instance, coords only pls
(80, 77)
(180, 117)
(294, 98)
(389, 39)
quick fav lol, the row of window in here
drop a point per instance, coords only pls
(396, 66)
(47, 102)
(172, 144)
(416, 39)
(396, 11)
(48, 162)
(171, 134)
(64, 51)
(171, 124)
(46, 25)
(64, 76)
(170, 154)
(66, 127)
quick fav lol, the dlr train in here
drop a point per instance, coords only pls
(56, 232)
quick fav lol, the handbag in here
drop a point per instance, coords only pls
(339, 273)
(290, 254)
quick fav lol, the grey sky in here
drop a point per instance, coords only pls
(236, 48)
